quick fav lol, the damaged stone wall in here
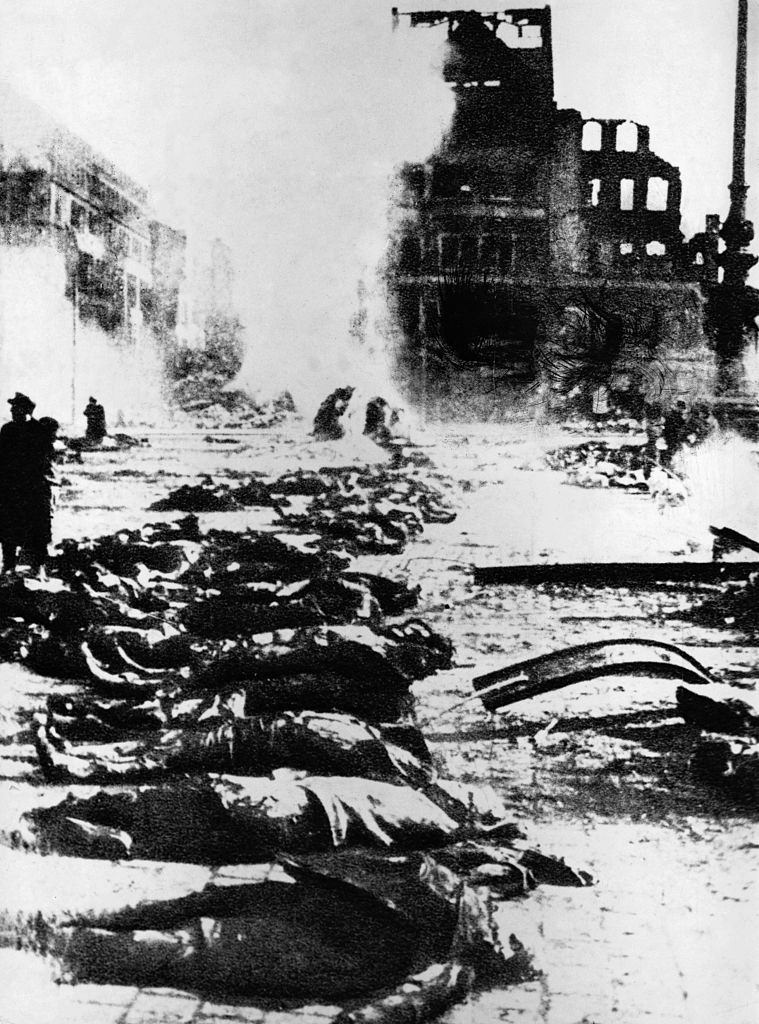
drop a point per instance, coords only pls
(526, 211)
(122, 268)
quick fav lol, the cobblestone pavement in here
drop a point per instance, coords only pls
(668, 932)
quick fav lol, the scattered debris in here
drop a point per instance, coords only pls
(727, 540)
(731, 764)
(735, 604)
(210, 404)
(587, 661)
(614, 574)
(601, 464)
(727, 714)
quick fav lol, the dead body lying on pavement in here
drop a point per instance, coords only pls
(355, 925)
(330, 743)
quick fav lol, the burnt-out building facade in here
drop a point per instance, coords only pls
(123, 268)
(536, 240)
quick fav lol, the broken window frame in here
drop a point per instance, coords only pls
(657, 194)
(592, 131)
(627, 194)
(626, 133)
(78, 216)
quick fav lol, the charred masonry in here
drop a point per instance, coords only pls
(125, 269)
(539, 246)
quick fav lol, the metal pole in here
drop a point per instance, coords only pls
(738, 187)
(737, 231)
(74, 304)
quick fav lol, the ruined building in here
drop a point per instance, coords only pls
(537, 249)
(123, 268)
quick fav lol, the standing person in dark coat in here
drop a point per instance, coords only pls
(26, 461)
(94, 413)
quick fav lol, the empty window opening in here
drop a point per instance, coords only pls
(657, 194)
(520, 35)
(627, 137)
(469, 250)
(595, 191)
(656, 249)
(488, 250)
(626, 249)
(78, 216)
(86, 265)
(506, 256)
(410, 255)
(626, 193)
(449, 250)
(591, 135)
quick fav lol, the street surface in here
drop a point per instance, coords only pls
(668, 932)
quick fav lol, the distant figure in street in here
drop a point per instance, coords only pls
(377, 424)
(94, 413)
(26, 463)
(327, 425)
(674, 432)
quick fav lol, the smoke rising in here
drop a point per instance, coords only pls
(722, 485)
(59, 360)
(352, 101)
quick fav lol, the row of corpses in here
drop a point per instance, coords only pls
(599, 464)
(628, 466)
(368, 511)
(245, 699)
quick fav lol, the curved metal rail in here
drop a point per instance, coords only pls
(554, 671)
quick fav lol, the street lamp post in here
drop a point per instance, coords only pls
(737, 231)
(734, 303)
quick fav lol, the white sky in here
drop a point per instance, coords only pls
(274, 123)
(165, 87)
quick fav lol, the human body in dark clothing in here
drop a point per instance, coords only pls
(94, 413)
(377, 425)
(327, 425)
(26, 460)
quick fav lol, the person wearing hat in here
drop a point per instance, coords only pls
(26, 459)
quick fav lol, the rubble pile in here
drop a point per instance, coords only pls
(601, 464)
(734, 604)
(207, 401)
(243, 697)
(629, 466)
(726, 754)
(719, 740)
(71, 446)
(615, 423)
